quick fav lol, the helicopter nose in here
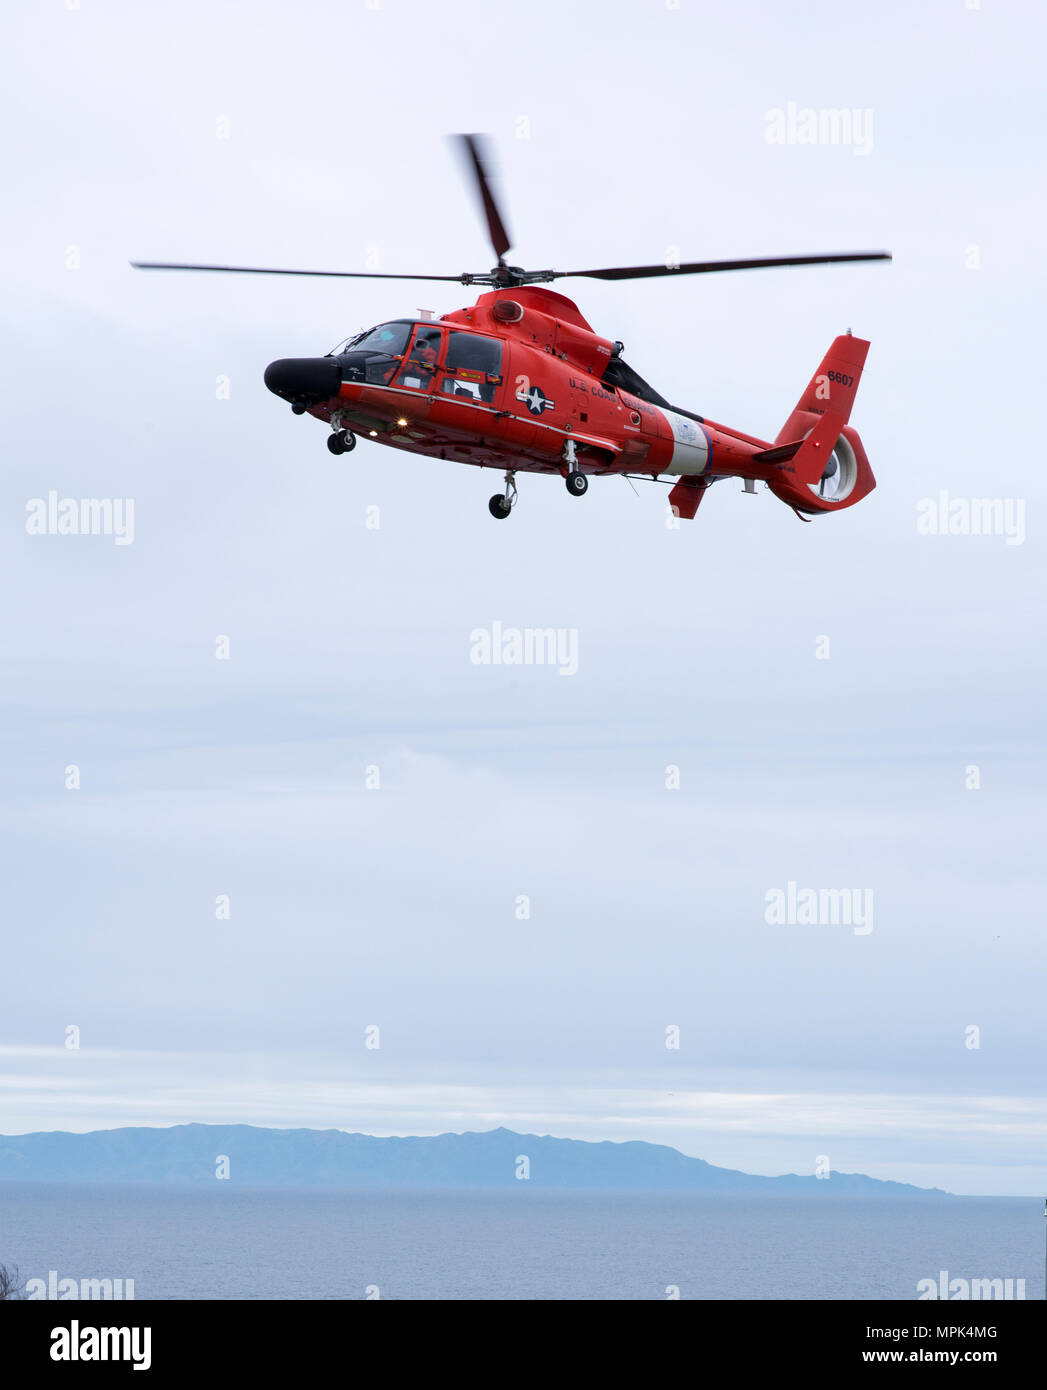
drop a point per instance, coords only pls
(304, 380)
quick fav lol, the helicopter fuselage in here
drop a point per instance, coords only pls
(519, 381)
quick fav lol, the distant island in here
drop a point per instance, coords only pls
(494, 1160)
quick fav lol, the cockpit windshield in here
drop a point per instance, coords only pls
(387, 337)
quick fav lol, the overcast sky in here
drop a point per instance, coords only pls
(313, 135)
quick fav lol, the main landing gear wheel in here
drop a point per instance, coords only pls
(342, 442)
(577, 484)
(501, 504)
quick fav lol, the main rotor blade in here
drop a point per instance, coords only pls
(644, 272)
(475, 152)
(267, 270)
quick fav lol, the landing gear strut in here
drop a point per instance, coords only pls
(577, 483)
(341, 442)
(501, 504)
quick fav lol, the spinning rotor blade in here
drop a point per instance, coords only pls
(477, 157)
(474, 151)
(645, 272)
(266, 270)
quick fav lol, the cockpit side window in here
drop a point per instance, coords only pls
(420, 363)
(473, 367)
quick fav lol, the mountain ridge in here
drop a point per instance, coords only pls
(472, 1160)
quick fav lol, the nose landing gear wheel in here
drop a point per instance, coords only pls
(341, 442)
(577, 484)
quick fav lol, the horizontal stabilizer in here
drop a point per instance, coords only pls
(779, 454)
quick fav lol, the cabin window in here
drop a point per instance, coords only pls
(419, 367)
(473, 367)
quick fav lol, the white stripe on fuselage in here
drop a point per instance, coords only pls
(690, 445)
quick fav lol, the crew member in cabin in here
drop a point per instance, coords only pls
(420, 367)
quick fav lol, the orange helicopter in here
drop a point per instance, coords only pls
(519, 381)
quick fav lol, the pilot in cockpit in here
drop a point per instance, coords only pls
(420, 366)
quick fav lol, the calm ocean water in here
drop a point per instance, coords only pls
(178, 1242)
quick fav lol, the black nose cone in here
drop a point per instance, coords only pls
(304, 380)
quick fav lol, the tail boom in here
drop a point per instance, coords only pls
(817, 463)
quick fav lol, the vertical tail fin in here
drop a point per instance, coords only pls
(821, 462)
(831, 390)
